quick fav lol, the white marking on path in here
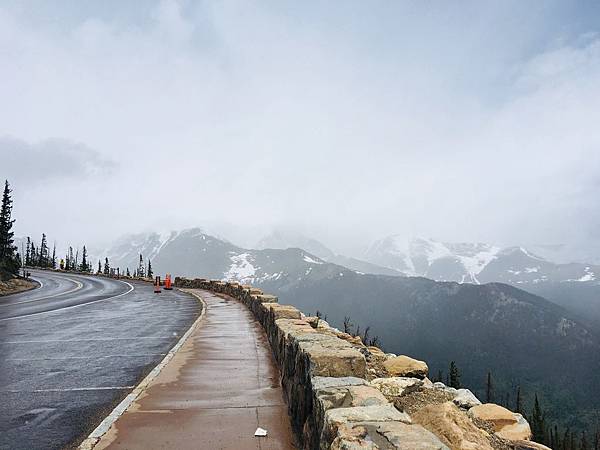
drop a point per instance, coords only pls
(87, 340)
(131, 288)
(95, 388)
(78, 286)
(86, 357)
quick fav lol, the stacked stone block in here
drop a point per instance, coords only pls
(342, 394)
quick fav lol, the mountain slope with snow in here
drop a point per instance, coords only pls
(473, 262)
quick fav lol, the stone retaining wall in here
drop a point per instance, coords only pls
(342, 394)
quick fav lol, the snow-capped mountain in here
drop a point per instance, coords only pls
(285, 239)
(192, 253)
(473, 262)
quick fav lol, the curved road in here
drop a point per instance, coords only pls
(73, 348)
(58, 291)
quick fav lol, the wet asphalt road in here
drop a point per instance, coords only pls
(73, 348)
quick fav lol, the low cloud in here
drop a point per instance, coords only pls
(52, 160)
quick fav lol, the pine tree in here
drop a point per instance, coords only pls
(43, 262)
(519, 404)
(488, 389)
(454, 375)
(149, 272)
(439, 377)
(53, 260)
(106, 267)
(597, 441)
(7, 249)
(128, 275)
(84, 264)
(99, 267)
(27, 252)
(583, 445)
(67, 262)
(566, 443)
(71, 259)
(33, 256)
(537, 421)
(141, 267)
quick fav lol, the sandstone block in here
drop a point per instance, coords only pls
(283, 311)
(331, 382)
(404, 366)
(452, 427)
(384, 436)
(498, 416)
(396, 386)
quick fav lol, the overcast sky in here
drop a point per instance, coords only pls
(347, 120)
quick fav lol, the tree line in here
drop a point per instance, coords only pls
(38, 255)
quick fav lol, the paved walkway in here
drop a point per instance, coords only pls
(213, 394)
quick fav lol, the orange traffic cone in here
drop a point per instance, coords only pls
(157, 286)
(168, 286)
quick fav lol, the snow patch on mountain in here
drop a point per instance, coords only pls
(310, 260)
(241, 268)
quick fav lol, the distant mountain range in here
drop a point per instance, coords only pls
(473, 262)
(523, 339)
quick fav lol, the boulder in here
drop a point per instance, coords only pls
(360, 414)
(506, 424)
(452, 427)
(518, 431)
(410, 437)
(329, 382)
(348, 396)
(403, 366)
(348, 418)
(386, 435)
(465, 399)
(396, 386)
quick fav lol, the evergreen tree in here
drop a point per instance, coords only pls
(141, 267)
(53, 260)
(597, 441)
(8, 261)
(84, 264)
(566, 443)
(27, 252)
(149, 272)
(61, 265)
(488, 389)
(106, 267)
(67, 262)
(43, 261)
(439, 377)
(583, 445)
(519, 404)
(99, 267)
(128, 274)
(454, 375)
(537, 422)
(33, 256)
(72, 259)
